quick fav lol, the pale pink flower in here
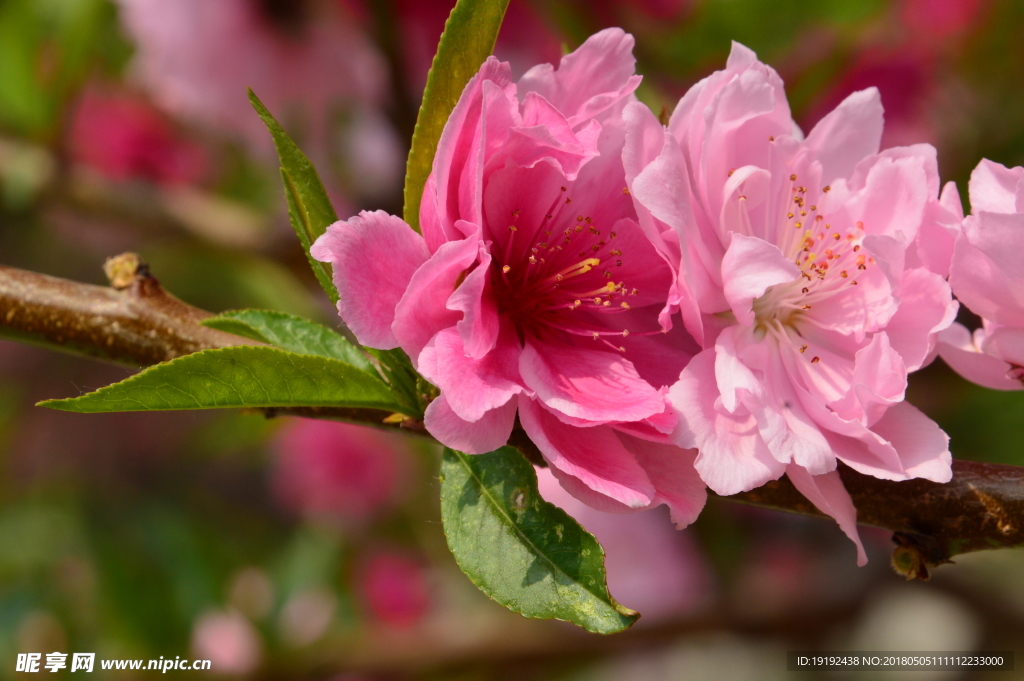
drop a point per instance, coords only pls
(124, 137)
(532, 289)
(337, 469)
(987, 277)
(229, 641)
(393, 588)
(303, 59)
(792, 273)
(651, 567)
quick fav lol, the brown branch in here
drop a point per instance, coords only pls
(138, 323)
(982, 507)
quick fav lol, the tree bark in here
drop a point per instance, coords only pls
(137, 323)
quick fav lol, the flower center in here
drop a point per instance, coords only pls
(830, 259)
(564, 280)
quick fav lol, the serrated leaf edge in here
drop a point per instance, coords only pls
(631, 615)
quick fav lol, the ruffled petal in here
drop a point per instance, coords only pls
(829, 496)
(587, 384)
(958, 350)
(594, 456)
(926, 307)
(922, 446)
(474, 298)
(595, 77)
(993, 187)
(488, 433)
(749, 268)
(472, 387)
(733, 458)
(987, 273)
(676, 481)
(848, 134)
(423, 311)
(374, 256)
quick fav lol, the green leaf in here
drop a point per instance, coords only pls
(308, 206)
(523, 552)
(291, 333)
(241, 376)
(468, 40)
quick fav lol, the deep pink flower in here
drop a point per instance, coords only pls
(988, 277)
(337, 469)
(792, 270)
(124, 137)
(532, 289)
(394, 589)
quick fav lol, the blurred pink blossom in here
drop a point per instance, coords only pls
(792, 262)
(302, 59)
(940, 20)
(905, 79)
(393, 588)
(532, 290)
(524, 39)
(651, 568)
(124, 137)
(228, 640)
(987, 277)
(336, 469)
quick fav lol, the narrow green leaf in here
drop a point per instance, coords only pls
(523, 552)
(291, 333)
(468, 40)
(309, 207)
(241, 376)
(403, 379)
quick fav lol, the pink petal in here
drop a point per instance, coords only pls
(903, 444)
(588, 384)
(675, 478)
(959, 351)
(488, 433)
(926, 307)
(472, 387)
(474, 298)
(993, 187)
(849, 133)
(749, 268)
(879, 380)
(733, 458)
(891, 195)
(590, 80)
(939, 231)
(595, 456)
(545, 135)
(987, 273)
(650, 566)
(922, 446)
(374, 255)
(458, 164)
(829, 496)
(1004, 342)
(422, 311)
(434, 231)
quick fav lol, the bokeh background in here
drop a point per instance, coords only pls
(311, 550)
